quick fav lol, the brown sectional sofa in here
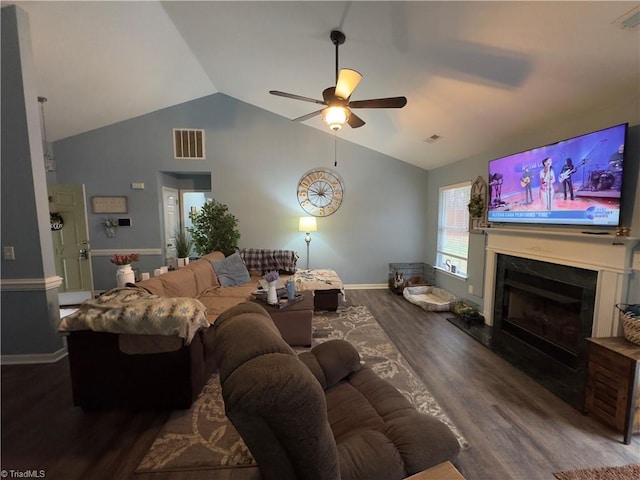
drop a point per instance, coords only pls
(198, 280)
(152, 371)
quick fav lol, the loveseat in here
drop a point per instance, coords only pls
(320, 415)
(140, 366)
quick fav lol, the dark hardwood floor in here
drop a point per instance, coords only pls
(516, 429)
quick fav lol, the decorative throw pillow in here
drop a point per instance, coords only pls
(231, 270)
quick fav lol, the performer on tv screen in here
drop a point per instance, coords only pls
(525, 181)
(616, 164)
(547, 179)
(565, 177)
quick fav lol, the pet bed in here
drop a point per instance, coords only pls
(430, 298)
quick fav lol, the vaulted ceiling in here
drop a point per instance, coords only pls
(474, 73)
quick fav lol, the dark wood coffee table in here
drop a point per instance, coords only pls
(294, 321)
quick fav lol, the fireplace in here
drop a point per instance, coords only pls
(546, 291)
(543, 313)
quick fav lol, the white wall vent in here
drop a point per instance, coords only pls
(629, 20)
(188, 144)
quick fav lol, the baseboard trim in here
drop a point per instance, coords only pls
(33, 358)
(366, 286)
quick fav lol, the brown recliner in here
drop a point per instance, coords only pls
(319, 415)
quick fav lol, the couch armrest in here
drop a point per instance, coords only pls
(332, 361)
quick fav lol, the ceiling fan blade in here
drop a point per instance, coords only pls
(296, 97)
(347, 82)
(391, 102)
(307, 116)
(355, 121)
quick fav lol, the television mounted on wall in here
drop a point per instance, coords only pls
(577, 181)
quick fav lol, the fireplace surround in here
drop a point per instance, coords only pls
(543, 314)
(546, 291)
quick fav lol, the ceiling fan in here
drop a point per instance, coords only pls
(337, 106)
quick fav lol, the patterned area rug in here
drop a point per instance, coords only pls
(202, 437)
(626, 472)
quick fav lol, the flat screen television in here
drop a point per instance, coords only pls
(577, 181)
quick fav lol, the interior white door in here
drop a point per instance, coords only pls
(71, 244)
(171, 211)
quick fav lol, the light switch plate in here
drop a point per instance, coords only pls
(8, 253)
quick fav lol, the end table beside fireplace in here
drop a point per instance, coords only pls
(612, 388)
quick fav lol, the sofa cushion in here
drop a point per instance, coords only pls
(203, 273)
(365, 401)
(216, 305)
(154, 286)
(331, 361)
(231, 270)
(179, 283)
(213, 256)
(371, 455)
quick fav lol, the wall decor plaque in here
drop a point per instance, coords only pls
(109, 204)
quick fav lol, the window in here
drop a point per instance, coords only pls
(453, 228)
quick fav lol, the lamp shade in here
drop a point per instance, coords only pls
(307, 224)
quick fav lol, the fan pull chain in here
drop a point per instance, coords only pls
(335, 149)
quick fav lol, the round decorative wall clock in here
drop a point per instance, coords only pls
(320, 192)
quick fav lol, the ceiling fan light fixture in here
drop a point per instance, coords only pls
(337, 98)
(335, 117)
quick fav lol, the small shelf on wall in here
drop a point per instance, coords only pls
(478, 193)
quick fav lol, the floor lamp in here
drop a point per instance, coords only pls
(307, 225)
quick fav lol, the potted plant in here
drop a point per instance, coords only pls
(476, 206)
(214, 228)
(183, 247)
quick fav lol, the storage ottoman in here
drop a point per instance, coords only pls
(294, 321)
(326, 299)
(325, 284)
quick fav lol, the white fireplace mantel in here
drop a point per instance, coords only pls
(614, 264)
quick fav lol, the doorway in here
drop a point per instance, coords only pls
(72, 250)
(171, 214)
(182, 193)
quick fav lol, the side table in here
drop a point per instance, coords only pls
(442, 471)
(612, 388)
(294, 321)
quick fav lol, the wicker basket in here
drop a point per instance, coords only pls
(630, 322)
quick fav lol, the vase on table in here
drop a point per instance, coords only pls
(272, 293)
(124, 275)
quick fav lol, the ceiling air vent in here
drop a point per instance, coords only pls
(188, 144)
(629, 20)
(433, 138)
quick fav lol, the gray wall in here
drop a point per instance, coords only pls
(29, 297)
(255, 159)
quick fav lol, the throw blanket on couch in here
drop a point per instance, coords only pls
(135, 311)
(263, 260)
